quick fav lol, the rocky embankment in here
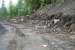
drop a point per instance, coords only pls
(55, 32)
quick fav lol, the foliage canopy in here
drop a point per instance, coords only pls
(24, 7)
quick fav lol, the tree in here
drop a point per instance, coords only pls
(20, 8)
(25, 7)
(3, 9)
(12, 10)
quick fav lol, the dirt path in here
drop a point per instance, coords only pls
(24, 38)
(6, 37)
(27, 39)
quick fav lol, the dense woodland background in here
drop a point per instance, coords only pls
(24, 7)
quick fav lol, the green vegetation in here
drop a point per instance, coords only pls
(24, 7)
